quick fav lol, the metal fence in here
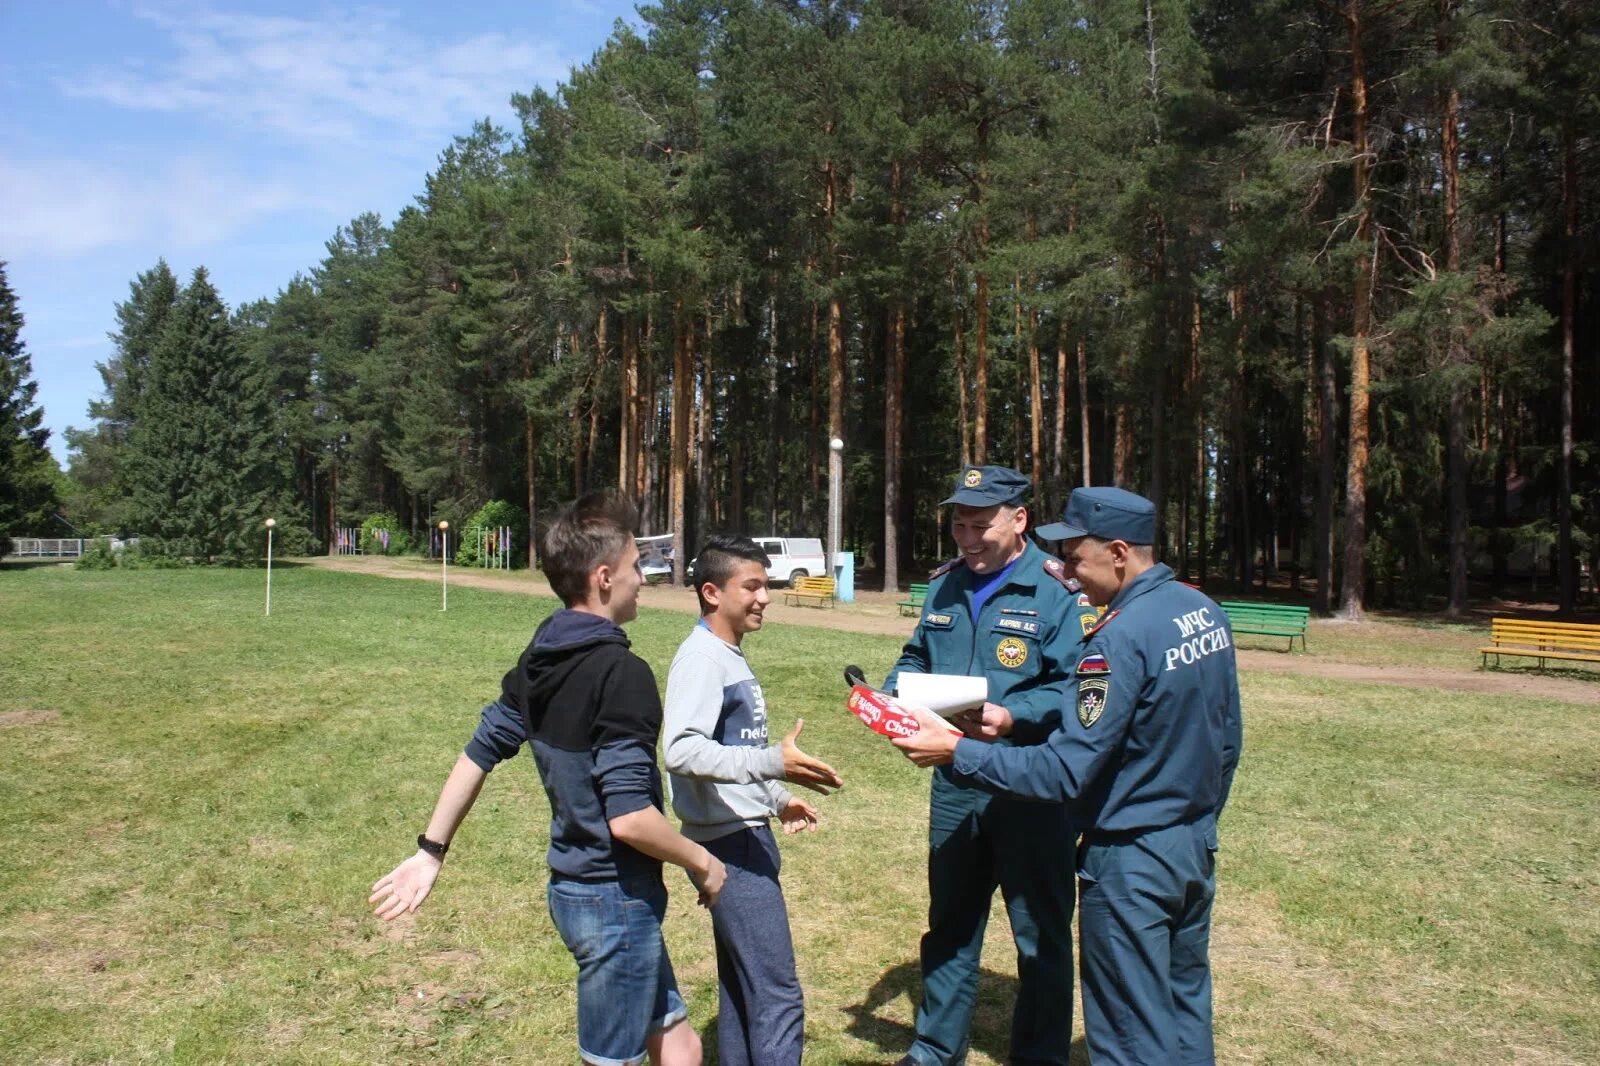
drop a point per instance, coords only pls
(45, 548)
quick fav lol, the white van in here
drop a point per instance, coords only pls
(791, 558)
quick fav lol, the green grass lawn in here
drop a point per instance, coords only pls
(197, 798)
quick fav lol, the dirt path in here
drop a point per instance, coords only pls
(876, 613)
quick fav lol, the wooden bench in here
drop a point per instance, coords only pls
(1270, 620)
(1533, 639)
(804, 589)
(915, 600)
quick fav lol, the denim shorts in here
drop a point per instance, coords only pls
(626, 987)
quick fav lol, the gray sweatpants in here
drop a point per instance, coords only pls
(762, 1011)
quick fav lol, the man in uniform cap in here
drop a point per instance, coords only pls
(1006, 611)
(1144, 758)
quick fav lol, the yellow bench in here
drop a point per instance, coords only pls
(804, 589)
(1534, 639)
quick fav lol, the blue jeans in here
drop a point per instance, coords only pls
(626, 987)
(761, 1018)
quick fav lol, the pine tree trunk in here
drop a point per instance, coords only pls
(678, 445)
(1055, 496)
(1566, 570)
(894, 384)
(1327, 451)
(628, 413)
(980, 398)
(894, 391)
(1083, 403)
(707, 415)
(781, 409)
(1456, 434)
(1352, 596)
(960, 337)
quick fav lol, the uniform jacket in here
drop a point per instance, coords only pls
(1022, 641)
(1151, 730)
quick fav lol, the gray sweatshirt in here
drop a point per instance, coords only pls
(724, 776)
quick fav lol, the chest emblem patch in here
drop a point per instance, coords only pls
(1092, 699)
(1011, 652)
(1088, 622)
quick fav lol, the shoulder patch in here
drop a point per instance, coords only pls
(946, 568)
(1102, 623)
(1093, 664)
(1092, 693)
(1058, 570)
(1083, 600)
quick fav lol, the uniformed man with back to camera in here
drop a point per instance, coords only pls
(1144, 759)
(1006, 611)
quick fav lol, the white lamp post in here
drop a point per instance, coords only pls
(444, 566)
(270, 523)
(835, 495)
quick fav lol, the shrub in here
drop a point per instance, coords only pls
(373, 535)
(97, 556)
(492, 516)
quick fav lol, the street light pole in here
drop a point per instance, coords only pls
(835, 495)
(270, 523)
(444, 565)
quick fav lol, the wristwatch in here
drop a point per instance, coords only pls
(432, 847)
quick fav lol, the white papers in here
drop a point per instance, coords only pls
(943, 694)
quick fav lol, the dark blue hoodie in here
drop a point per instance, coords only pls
(589, 709)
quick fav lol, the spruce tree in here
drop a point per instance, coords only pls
(198, 459)
(99, 452)
(27, 471)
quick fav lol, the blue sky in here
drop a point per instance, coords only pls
(231, 135)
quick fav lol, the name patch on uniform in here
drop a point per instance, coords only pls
(938, 621)
(1093, 664)
(1011, 652)
(1017, 625)
(1092, 693)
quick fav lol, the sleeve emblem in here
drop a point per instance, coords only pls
(1092, 699)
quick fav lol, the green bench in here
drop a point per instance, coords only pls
(1270, 620)
(913, 603)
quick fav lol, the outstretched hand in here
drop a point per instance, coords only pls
(402, 890)
(801, 769)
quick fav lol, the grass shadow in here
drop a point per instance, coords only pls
(991, 1020)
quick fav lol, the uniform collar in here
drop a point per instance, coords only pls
(1159, 574)
(1024, 570)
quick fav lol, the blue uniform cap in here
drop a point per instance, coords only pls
(987, 486)
(1107, 513)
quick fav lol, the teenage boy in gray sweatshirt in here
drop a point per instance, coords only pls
(725, 790)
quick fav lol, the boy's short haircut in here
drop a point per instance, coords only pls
(719, 560)
(589, 532)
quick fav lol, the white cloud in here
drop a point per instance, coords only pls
(62, 208)
(350, 75)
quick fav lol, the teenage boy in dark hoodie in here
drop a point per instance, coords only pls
(588, 707)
